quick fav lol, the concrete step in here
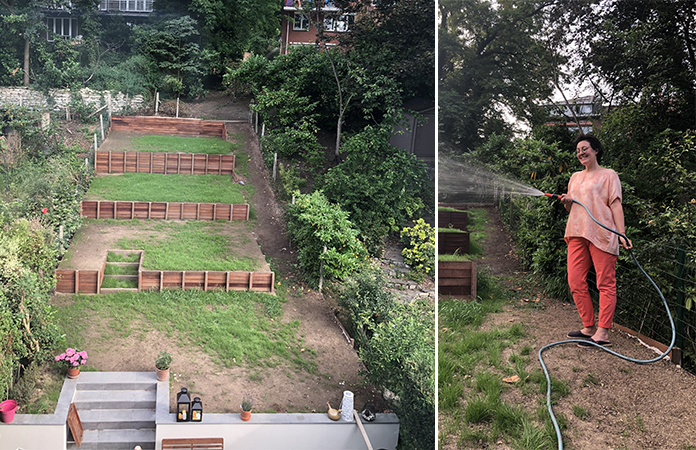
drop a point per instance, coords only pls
(115, 440)
(117, 419)
(115, 399)
(117, 410)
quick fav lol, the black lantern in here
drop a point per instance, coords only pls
(183, 406)
(196, 410)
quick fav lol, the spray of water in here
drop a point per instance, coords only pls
(466, 182)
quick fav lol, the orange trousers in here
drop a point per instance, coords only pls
(582, 255)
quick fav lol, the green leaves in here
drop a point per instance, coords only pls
(380, 185)
(325, 239)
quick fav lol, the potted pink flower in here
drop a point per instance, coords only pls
(72, 360)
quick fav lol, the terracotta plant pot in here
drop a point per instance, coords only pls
(162, 374)
(245, 415)
(73, 372)
(7, 411)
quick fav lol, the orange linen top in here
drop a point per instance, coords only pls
(596, 190)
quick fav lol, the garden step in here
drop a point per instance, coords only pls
(115, 399)
(115, 440)
(117, 419)
(114, 290)
(117, 381)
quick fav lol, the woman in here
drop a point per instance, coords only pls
(599, 189)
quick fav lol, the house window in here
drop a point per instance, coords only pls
(340, 23)
(65, 27)
(301, 22)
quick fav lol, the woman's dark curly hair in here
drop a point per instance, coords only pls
(594, 143)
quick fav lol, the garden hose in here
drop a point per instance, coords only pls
(639, 361)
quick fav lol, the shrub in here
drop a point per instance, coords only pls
(324, 237)
(419, 253)
(381, 186)
(27, 259)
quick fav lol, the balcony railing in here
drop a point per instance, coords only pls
(126, 6)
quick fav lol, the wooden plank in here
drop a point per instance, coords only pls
(193, 444)
(75, 424)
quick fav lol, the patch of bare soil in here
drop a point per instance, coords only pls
(280, 389)
(629, 405)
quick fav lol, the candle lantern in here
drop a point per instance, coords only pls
(183, 406)
(196, 410)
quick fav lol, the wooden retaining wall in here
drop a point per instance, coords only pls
(163, 163)
(205, 280)
(457, 278)
(169, 125)
(89, 281)
(162, 210)
(449, 243)
(78, 281)
(455, 219)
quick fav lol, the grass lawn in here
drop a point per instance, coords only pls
(234, 328)
(477, 371)
(186, 144)
(189, 245)
(145, 187)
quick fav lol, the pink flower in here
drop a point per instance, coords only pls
(45, 210)
(70, 351)
(75, 364)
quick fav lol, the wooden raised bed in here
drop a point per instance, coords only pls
(452, 242)
(457, 278)
(455, 219)
(206, 280)
(78, 281)
(169, 125)
(105, 209)
(163, 163)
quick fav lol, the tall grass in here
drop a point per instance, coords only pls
(145, 187)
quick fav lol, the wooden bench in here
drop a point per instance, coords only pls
(193, 444)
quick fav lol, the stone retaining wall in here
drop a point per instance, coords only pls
(59, 98)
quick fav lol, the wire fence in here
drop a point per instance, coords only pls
(672, 266)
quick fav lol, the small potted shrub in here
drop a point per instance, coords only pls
(72, 359)
(162, 363)
(247, 404)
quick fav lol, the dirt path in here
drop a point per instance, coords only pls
(629, 406)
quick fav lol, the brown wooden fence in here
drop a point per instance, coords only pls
(205, 280)
(89, 281)
(162, 210)
(455, 219)
(449, 243)
(169, 125)
(457, 278)
(163, 163)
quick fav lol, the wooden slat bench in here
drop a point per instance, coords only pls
(193, 444)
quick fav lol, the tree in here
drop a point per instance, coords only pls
(493, 61)
(229, 27)
(395, 38)
(172, 48)
(642, 50)
(24, 18)
(381, 186)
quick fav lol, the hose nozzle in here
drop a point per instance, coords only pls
(553, 196)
